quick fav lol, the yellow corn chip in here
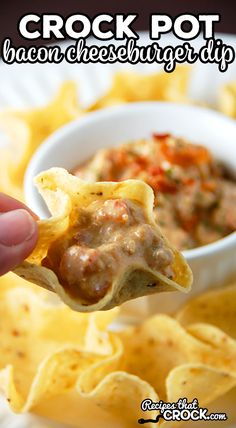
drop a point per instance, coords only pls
(198, 381)
(133, 87)
(45, 356)
(65, 195)
(68, 367)
(28, 129)
(216, 307)
(115, 403)
(160, 344)
(227, 99)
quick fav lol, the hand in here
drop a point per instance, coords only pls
(18, 232)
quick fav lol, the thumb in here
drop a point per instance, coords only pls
(18, 237)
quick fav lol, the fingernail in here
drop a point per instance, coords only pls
(16, 227)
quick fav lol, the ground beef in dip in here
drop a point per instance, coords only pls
(108, 238)
(195, 198)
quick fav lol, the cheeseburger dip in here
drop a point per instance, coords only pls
(195, 197)
(113, 235)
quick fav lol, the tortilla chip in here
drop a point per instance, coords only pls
(134, 87)
(38, 338)
(160, 344)
(198, 381)
(217, 307)
(29, 313)
(28, 129)
(115, 403)
(227, 99)
(64, 193)
(217, 338)
(69, 367)
(44, 355)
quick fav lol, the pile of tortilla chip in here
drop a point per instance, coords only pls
(27, 130)
(134, 87)
(77, 369)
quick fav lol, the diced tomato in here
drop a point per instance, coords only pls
(114, 210)
(190, 223)
(157, 179)
(155, 170)
(142, 161)
(188, 181)
(209, 185)
(161, 136)
(162, 184)
(167, 186)
(185, 155)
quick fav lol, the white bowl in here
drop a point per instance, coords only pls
(213, 264)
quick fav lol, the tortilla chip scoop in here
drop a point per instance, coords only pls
(101, 247)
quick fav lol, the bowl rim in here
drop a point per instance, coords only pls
(59, 135)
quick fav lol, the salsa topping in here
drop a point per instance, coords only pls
(195, 198)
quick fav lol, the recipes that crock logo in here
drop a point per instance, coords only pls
(182, 410)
